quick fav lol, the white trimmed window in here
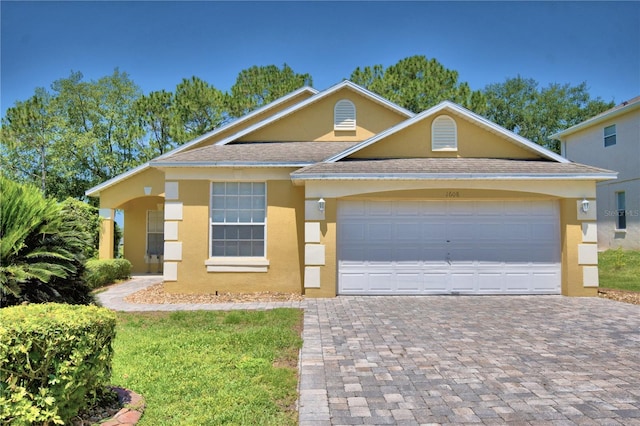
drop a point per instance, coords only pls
(610, 135)
(344, 115)
(155, 232)
(444, 134)
(621, 207)
(238, 219)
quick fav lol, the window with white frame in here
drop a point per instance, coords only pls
(621, 206)
(610, 135)
(444, 134)
(344, 115)
(238, 219)
(155, 232)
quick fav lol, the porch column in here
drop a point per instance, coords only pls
(105, 250)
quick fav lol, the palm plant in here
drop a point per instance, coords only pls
(41, 250)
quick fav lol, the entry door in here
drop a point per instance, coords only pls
(444, 247)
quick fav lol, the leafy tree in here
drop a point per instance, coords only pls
(78, 135)
(155, 115)
(259, 85)
(417, 83)
(41, 250)
(99, 125)
(28, 141)
(198, 108)
(521, 106)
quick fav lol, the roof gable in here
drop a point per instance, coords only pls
(232, 127)
(267, 129)
(503, 143)
(618, 110)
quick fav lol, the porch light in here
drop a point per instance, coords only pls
(585, 205)
(147, 190)
(321, 204)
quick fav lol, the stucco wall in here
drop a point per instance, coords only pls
(608, 234)
(285, 226)
(135, 233)
(315, 123)
(587, 147)
(473, 141)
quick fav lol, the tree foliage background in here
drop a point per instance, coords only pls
(80, 133)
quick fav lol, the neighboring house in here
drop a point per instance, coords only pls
(343, 192)
(611, 140)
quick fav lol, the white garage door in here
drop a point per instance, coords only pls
(442, 247)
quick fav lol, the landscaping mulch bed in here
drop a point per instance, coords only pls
(620, 295)
(156, 294)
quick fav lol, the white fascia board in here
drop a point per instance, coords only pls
(318, 96)
(227, 164)
(449, 176)
(469, 115)
(607, 115)
(239, 120)
(95, 191)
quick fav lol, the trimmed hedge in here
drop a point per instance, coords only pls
(54, 359)
(101, 272)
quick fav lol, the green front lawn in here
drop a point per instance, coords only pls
(198, 368)
(620, 269)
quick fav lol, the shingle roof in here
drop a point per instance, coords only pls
(285, 153)
(448, 168)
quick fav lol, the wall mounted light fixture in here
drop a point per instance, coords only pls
(321, 204)
(147, 190)
(585, 205)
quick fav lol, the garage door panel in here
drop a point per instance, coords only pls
(436, 282)
(435, 247)
(380, 283)
(490, 282)
(353, 282)
(409, 283)
(462, 282)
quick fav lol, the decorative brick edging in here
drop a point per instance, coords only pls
(134, 405)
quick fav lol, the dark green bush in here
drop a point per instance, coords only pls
(42, 249)
(54, 359)
(106, 271)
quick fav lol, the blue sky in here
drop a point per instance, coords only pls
(159, 43)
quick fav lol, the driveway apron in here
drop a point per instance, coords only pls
(457, 360)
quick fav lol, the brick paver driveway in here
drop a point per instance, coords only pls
(491, 360)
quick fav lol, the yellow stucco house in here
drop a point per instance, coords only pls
(343, 192)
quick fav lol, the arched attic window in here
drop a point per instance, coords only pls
(344, 115)
(444, 134)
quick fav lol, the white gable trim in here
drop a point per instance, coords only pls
(607, 115)
(92, 192)
(463, 112)
(346, 83)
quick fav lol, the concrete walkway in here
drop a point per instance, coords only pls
(113, 298)
(539, 360)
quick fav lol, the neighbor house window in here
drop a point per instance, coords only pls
(238, 219)
(155, 233)
(621, 205)
(344, 115)
(444, 134)
(610, 135)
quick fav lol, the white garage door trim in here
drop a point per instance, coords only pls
(448, 247)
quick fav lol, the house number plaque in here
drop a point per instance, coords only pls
(452, 194)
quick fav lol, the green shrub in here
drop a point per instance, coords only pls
(42, 249)
(54, 359)
(101, 272)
